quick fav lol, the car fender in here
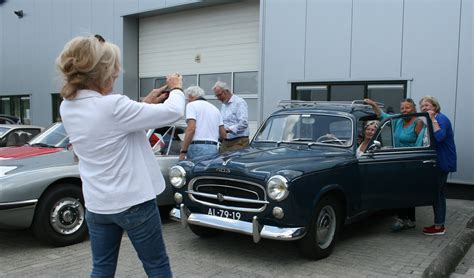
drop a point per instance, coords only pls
(331, 189)
(30, 185)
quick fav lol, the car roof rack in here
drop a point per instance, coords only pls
(308, 104)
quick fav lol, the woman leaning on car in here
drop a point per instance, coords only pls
(117, 166)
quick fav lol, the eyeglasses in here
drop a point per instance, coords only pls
(99, 37)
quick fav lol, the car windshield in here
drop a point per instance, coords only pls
(3, 130)
(307, 128)
(54, 136)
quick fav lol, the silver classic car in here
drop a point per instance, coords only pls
(40, 186)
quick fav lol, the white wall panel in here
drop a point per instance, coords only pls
(463, 121)
(430, 49)
(225, 37)
(328, 39)
(376, 38)
(283, 55)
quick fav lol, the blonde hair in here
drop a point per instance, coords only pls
(87, 63)
(433, 102)
(369, 123)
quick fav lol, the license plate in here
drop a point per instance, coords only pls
(224, 213)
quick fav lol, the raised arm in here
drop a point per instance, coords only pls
(374, 106)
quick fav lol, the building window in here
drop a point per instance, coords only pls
(244, 84)
(18, 106)
(207, 81)
(56, 100)
(388, 92)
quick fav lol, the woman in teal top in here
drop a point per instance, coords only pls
(408, 132)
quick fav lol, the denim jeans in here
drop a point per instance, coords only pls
(196, 150)
(439, 208)
(143, 226)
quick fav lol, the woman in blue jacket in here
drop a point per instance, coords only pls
(446, 150)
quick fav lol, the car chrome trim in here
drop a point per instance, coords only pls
(191, 193)
(253, 228)
(18, 204)
(227, 198)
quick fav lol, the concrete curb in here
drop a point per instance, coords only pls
(447, 260)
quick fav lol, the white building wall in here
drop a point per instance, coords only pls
(430, 50)
(376, 39)
(464, 102)
(328, 50)
(283, 50)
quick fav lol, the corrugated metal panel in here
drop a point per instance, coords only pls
(225, 38)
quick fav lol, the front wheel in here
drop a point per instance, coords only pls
(323, 229)
(60, 216)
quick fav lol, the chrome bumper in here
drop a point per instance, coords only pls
(253, 229)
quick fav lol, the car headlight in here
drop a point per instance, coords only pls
(5, 169)
(177, 176)
(277, 187)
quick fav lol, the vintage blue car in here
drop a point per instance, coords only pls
(300, 178)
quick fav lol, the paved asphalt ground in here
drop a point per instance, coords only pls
(365, 249)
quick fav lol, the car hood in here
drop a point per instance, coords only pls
(290, 161)
(25, 151)
(32, 158)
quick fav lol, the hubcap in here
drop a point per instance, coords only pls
(326, 226)
(67, 216)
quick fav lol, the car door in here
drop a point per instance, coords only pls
(393, 176)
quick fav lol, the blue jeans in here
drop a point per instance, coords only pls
(439, 208)
(143, 226)
(197, 150)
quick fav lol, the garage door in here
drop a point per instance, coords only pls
(204, 45)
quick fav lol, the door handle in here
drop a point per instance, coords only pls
(429, 161)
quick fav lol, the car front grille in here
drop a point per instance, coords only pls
(228, 193)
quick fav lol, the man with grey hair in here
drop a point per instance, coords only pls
(204, 126)
(234, 112)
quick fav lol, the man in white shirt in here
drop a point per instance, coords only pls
(204, 128)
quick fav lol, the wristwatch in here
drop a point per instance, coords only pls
(183, 151)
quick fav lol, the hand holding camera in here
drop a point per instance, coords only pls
(157, 95)
(174, 80)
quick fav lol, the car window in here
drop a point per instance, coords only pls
(54, 136)
(404, 132)
(307, 128)
(3, 130)
(168, 140)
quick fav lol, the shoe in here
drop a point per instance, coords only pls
(433, 231)
(409, 224)
(401, 224)
(398, 225)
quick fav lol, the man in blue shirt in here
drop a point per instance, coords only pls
(234, 112)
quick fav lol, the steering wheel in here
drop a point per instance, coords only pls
(329, 138)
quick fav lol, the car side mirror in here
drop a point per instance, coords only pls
(375, 146)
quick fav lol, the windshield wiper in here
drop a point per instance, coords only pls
(42, 145)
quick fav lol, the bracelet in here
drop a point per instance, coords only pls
(176, 88)
(435, 121)
(183, 151)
